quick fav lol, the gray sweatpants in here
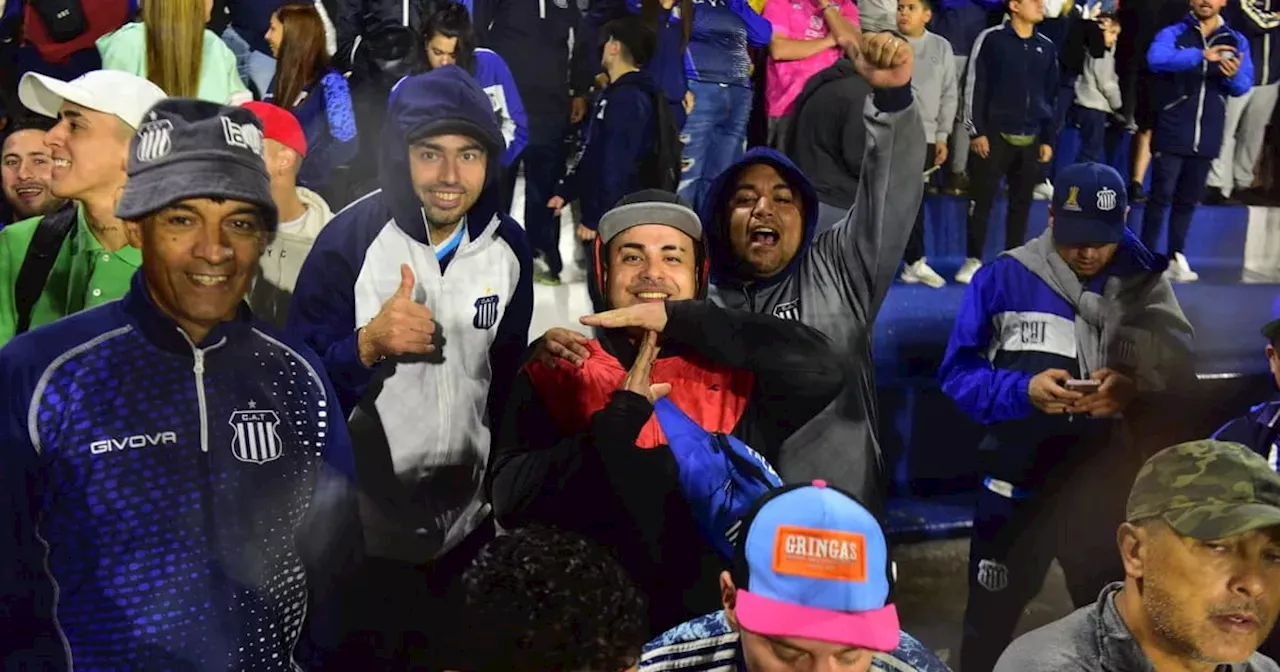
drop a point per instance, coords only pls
(1246, 126)
(960, 134)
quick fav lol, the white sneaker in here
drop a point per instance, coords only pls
(920, 273)
(1179, 270)
(1043, 191)
(967, 269)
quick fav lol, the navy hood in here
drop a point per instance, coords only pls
(715, 217)
(445, 101)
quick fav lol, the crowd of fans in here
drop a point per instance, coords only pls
(270, 400)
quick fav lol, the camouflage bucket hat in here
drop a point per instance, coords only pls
(1207, 490)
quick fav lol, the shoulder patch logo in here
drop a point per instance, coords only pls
(486, 312)
(788, 311)
(256, 439)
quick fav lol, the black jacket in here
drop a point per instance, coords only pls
(598, 482)
(828, 135)
(532, 36)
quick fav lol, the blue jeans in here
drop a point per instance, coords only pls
(256, 68)
(713, 136)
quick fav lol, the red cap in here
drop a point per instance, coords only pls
(280, 125)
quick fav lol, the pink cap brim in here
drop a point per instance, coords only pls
(876, 630)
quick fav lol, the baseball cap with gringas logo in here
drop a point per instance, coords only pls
(813, 563)
(187, 148)
(1090, 203)
(1207, 490)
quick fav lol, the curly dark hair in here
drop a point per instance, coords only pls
(543, 600)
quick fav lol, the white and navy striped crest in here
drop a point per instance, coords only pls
(255, 439)
(788, 311)
(486, 312)
(154, 140)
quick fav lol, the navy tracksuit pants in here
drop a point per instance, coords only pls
(1071, 516)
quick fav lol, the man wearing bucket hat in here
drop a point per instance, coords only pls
(167, 456)
(80, 257)
(1202, 586)
(810, 589)
(1260, 428)
(661, 414)
(1053, 342)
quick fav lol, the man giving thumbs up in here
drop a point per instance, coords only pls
(418, 298)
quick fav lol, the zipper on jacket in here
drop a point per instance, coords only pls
(200, 401)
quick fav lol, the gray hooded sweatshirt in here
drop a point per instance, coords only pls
(836, 284)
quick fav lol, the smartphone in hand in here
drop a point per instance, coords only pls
(1083, 386)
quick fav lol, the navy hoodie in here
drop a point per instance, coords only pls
(836, 284)
(423, 422)
(251, 19)
(620, 132)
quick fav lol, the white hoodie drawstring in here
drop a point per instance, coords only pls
(542, 9)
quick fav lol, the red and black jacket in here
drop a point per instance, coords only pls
(577, 452)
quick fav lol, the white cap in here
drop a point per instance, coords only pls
(108, 91)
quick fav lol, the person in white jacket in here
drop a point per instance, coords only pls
(303, 213)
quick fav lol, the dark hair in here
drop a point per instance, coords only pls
(541, 599)
(926, 4)
(450, 19)
(303, 58)
(637, 39)
(28, 121)
(653, 14)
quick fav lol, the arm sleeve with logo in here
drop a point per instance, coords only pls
(862, 252)
(985, 393)
(30, 640)
(795, 367)
(515, 114)
(539, 475)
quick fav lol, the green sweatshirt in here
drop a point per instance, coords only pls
(126, 49)
(84, 275)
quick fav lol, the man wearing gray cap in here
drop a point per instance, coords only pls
(167, 456)
(595, 447)
(1201, 552)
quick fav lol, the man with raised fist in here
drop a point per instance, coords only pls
(676, 402)
(418, 299)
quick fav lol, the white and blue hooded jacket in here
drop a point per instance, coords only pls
(158, 498)
(423, 425)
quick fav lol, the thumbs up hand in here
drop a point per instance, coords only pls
(402, 327)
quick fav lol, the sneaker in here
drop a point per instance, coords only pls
(1179, 270)
(1136, 193)
(967, 269)
(543, 277)
(919, 272)
(1043, 191)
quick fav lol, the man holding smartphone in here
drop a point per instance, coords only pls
(1053, 342)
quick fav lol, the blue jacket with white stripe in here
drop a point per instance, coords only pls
(158, 498)
(1190, 93)
(423, 423)
(1011, 85)
(1011, 326)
